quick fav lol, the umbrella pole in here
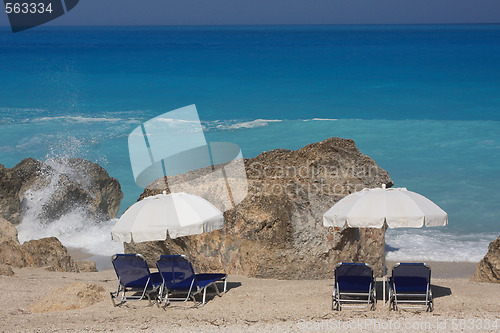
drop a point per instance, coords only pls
(384, 269)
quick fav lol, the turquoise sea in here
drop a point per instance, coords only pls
(423, 101)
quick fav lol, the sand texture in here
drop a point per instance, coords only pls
(251, 305)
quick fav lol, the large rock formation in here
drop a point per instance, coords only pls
(49, 252)
(41, 193)
(277, 231)
(56, 187)
(45, 252)
(488, 269)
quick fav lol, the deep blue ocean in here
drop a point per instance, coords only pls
(423, 101)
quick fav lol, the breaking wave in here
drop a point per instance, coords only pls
(75, 228)
(435, 245)
(236, 124)
(78, 119)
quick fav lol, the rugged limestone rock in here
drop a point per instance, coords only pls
(49, 252)
(71, 297)
(7, 231)
(6, 270)
(11, 181)
(277, 231)
(11, 252)
(59, 186)
(45, 252)
(488, 269)
(86, 266)
(44, 192)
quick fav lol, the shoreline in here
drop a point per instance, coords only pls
(102, 262)
(439, 269)
(444, 269)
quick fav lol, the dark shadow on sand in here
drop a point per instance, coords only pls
(232, 285)
(211, 294)
(438, 291)
(379, 287)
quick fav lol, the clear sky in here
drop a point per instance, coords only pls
(250, 12)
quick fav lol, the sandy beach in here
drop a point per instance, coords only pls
(250, 304)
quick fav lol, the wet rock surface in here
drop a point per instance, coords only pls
(59, 186)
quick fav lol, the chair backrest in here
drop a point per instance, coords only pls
(130, 268)
(353, 276)
(175, 269)
(411, 275)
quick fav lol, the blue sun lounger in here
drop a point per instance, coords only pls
(410, 284)
(354, 285)
(133, 276)
(179, 278)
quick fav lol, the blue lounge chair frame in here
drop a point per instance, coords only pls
(133, 276)
(179, 278)
(410, 287)
(354, 286)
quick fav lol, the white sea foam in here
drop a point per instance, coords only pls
(175, 121)
(17, 110)
(237, 124)
(321, 119)
(77, 119)
(74, 229)
(435, 245)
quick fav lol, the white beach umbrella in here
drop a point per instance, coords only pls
(376, 207)
(179, 214)
(396, 207)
